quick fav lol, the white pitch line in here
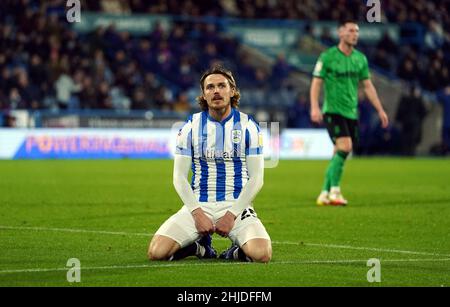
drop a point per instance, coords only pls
(208, 263)
(376, 249)
(273, 242)
(77, 231)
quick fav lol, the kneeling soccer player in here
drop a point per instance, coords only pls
(223, 146)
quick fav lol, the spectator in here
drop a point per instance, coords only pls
(298, 114)
(182, 104)
(280, 71)
(65, 87)
(385, 141)
(88, 94)
(29, 92)
(410, 114)
(326, 38)
(140, 101)
(366, 125)
(185, 74)
(444, 99)
(387, 44)
(9, 120)
(434, 39)
(308, 43)
(104, 100)
(381, 59)
(16, 101)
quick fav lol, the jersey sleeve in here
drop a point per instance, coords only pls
(253, 139)
(319, 68)
(364, 73)
(184, 140)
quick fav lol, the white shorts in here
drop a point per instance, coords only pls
(181, 226)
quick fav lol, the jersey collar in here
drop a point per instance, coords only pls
(224, 120)
(340, 51)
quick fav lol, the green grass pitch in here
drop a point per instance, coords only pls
(104, 212)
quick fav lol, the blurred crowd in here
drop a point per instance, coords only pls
(44, 64)
(431, 71)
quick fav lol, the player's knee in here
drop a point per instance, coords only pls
(346, 147)
(344, 144)
(261, 253)
(157, 254)
(262, 256)
(158, 250)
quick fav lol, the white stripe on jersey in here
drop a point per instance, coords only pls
(218, 152)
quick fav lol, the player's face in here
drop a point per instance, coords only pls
(217, 91)
(349, 33)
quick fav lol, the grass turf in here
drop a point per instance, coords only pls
(104, 212)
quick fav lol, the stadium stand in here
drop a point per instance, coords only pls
(49, 68)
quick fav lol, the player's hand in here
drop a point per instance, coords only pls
(203, 224)
(383, 118)
(225, 224)
(316, 115)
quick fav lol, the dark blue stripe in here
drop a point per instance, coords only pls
(237, 162)
(220, 163)
(237, 177)
(203, 165)
(203, 181)
(247, 142)
(220, 182)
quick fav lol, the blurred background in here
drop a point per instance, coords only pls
(135, 64)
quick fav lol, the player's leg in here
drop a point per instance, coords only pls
(177, 238)
(333, 132)
(340, 130)
(343, 148)
(259, 250)
(251, 242)
(162, 248)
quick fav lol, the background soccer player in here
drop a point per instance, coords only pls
(341, 68)
(224, 149)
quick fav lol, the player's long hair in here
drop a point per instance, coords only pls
(218, 69)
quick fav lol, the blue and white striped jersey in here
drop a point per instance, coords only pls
(219, 151)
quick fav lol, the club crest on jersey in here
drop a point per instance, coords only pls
(236, 136)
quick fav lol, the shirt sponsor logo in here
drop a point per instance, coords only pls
(236, 136)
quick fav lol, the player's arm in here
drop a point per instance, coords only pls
(181, 169)
(319, 74)
(316, 113)
(255, 168)
(371, 94)
(182, 165)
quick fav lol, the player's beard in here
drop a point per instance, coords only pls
(218, 105)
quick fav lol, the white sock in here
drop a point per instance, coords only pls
(236, 254)
(200, 250)
(335, 190)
